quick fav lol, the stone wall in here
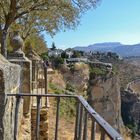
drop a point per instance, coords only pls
(9, 83)
(25, 88)
(43, 123)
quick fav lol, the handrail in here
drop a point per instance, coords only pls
(82, 104)
(112, 133)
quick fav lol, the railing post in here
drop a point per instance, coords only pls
(38, 118)
(46, 83)
(57, 118)
(85, 126)
(77, 121)
(102, 135)
(93, 130)
(37, 84)
(18, 99)
(45, 78)
(80, 123)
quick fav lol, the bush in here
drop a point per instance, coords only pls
(44, 56)
(70, 87)
(64, 55)
(98, 71)
(57, 61)
(132, 127)
(68, 107)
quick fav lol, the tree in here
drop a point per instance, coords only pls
(76, 54)
(37, 43)
(64, 55)
(48, 15)
(53, 46)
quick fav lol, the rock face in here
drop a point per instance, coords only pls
(104, 96)
(103, 91)
(131, 106)
(9, 83)
(134, 87)
(77, 76)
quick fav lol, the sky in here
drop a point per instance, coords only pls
(111, 21)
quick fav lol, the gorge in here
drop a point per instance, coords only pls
(105, 90)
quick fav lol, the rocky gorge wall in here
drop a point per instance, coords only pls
(76, 76)
(103, 92)
(131, 106)
(104, 96)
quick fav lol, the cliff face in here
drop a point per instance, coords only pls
(131, 106)
(76, 76)
(104, 96)
(103, 90)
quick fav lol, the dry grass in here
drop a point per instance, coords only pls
(67, 126)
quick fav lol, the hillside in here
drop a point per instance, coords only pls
(123, 50)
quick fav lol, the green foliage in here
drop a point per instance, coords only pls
(28, 47)
(37, 43)
(44, 56)
(68, 107)
(114, 70)
(132, 127)
(70, 87)
(55, 89)
(98, 71)
(56, 61)
(64, 55)
(51, 16)
(33, 16)
(76, 54)
(53, 46)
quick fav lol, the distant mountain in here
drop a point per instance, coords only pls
(117, 47)
(99, 46)
(128, 50)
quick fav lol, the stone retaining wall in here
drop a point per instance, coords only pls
(9, 83)
(43, 123)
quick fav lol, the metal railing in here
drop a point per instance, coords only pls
(83, 112)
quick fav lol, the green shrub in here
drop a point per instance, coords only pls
(55, 89)
(44, 56)
(68, 107)
(56, 61)
(98, 71)
(132, 127)
(70, 87)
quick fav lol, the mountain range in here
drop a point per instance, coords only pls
(117, 47)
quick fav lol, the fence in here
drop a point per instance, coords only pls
(83, 111)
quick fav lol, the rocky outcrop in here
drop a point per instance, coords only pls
(131, 106)
(77, 76)
(104, 96)
(103, 89)
(134, 87)
(9, 83)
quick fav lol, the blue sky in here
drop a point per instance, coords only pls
(111, 21)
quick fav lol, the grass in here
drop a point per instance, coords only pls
(98, 71)
(67, 106)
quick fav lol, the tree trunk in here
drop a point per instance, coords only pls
(3, 43)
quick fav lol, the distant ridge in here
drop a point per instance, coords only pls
(117, 47)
